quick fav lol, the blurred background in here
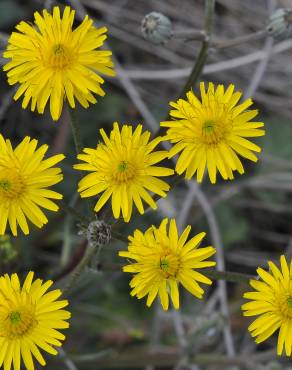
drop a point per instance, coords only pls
(250, 217)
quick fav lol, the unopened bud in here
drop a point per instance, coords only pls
(280, 24)
(157, 28)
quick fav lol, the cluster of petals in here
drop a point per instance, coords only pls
(271, 301)
(52, 62)
(124, 168)
(30, 319)
(162, 260)
(212, 133)
(25, 179)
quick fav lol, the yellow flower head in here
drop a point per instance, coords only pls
(29, 318)
(52, 61)
(163, 259)
(272, 303)
(24, 177)
(211, 133)
(124, 168)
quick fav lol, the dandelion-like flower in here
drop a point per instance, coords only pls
(123, 168)
(30, 318)
(212, 132)
(272, 303)
(24, 178)
(163, 260)
(52, 61)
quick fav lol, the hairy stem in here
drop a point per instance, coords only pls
(233, 277)
(70, 210)
(203, 53)
(91, 251)
(165, 357)
(75, 127)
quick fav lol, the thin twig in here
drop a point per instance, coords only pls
(67, 361)
(217, 242)
(231, 63)
(165, 357)
(91, 251)
(190, 35)
(262, 66)
(92, 357)
(74, 121)
(68, 209)
(67, 239)
(239, 40)
(203, 53)
(135, 96)
(62, 134)
(234, 277)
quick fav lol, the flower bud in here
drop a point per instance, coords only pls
(280, 24)
(157, 28)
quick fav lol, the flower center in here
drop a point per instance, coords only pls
(208, 127)
(213, 132)
(122, 166)
(60, 57)
(169, 265)
(11, 184)
(125, 172)
(5, 184)
(17, 322)
(284, 303)
(15, 317)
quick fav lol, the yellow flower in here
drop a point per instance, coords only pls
(24, 179)
(163, 260)
(52, 61)
(211, 133)
(272, 302)
(123, 168)
(29, 318)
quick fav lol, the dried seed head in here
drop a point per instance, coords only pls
(157, 28)
(280, 24)
(97, 233)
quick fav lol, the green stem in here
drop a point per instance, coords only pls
(202, 57)
(233, 277)
(196, 71)
(140, 357)
(65, 207)
(75, 127)
(67, 237)
(239, 40)
(91, 251)
(118, 236)
(203, 54)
